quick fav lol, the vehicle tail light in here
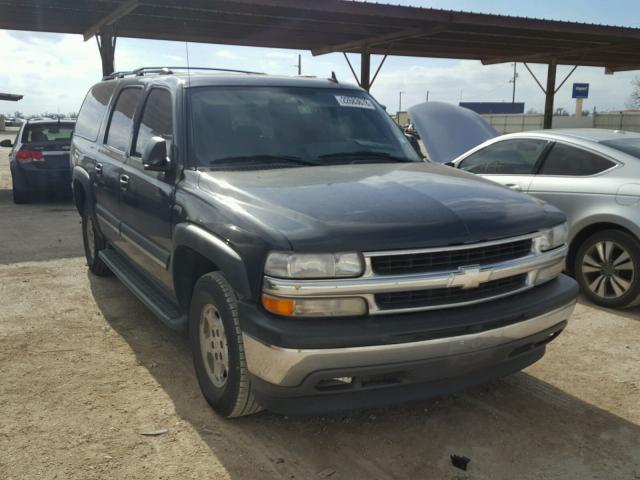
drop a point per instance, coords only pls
(28, 156)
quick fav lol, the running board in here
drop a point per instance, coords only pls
(155, 300)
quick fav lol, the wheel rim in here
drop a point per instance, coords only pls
(608, 269)
(91, 238)
(213, 345)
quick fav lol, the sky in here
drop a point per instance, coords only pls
(54, 71)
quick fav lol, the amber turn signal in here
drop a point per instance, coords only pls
(279, 306)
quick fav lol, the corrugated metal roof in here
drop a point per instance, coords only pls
(338, 25)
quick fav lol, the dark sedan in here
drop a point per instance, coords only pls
(39, 159)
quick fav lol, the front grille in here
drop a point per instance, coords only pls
(447, 296)
(449, 259)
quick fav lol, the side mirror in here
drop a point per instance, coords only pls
(154, 156)
(6, 143)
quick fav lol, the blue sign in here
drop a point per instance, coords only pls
(580, 90)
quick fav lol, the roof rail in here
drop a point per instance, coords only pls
(169, 70)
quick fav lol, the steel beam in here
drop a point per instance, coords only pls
(550, 93)
(109, 19)
(568, 52)
(365, 43)
(106, 40)
(365, 71)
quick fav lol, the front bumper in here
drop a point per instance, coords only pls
(289, 367)
(314, 380)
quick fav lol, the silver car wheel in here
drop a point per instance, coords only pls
(213, 345)
(608, 269)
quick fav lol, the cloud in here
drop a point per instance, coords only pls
(53, 72)
(282, 55)
(228, 55)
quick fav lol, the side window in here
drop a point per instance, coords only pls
(156, 120)
(121, 121)
(567, 160)
(510, 157)
(93, 110)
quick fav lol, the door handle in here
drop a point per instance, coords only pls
(124, 181)
(98, 168)
(513, 186)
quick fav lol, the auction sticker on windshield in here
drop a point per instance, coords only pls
(353, 101)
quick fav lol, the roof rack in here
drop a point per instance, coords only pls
(139, 72)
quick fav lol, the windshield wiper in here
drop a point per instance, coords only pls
(261, 159)
(365, 155)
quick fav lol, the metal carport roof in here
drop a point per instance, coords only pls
(335, 26)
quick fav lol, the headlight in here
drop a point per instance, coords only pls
(553, 237)
(313, 265)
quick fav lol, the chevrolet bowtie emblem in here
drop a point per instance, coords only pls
(469, 277)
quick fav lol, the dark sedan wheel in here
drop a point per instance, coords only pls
(93, 243)
(18, 195)
(608, 267)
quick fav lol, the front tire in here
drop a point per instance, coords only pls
(218, 349)
(607, 267)
(93, 244)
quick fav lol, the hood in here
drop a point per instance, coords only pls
(374, 207)
(448, 131)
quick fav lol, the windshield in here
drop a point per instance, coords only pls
(47, 132)
(630, 146)
(268, 127)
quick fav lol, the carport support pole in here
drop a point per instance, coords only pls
(549, 94)
(365, 70)
(107, 46)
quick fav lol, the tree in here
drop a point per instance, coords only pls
(634, 98)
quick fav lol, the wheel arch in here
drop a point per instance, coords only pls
(197, 252)
(81, 188)
(587, 230)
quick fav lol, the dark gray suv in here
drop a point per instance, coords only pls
(316, 260)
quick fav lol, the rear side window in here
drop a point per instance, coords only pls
(93, 110)
(156, 120)
(510, 157)
(571, 161)
(47, 132)
(119, 131)
(630, 146)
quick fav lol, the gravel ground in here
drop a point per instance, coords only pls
(85, 369)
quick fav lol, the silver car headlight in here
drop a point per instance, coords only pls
(313, 265)
(553, 237)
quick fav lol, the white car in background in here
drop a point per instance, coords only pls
(592, 175)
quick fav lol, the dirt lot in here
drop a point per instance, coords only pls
(85, 369)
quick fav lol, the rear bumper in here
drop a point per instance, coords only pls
(32, 180)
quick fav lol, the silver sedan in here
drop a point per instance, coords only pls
(594, 177)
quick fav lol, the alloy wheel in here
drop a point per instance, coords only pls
(608, 269)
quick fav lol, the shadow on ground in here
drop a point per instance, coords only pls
(632, 313)
(518, 427)
(47, 229)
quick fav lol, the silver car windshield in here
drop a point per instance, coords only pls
(271, 127)
(630, 146)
